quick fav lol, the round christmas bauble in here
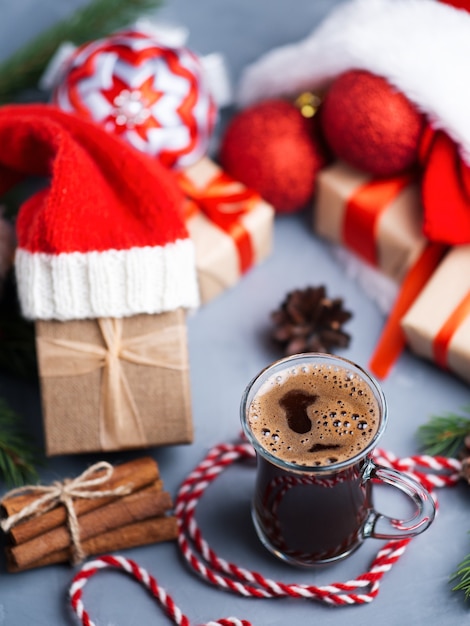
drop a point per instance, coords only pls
(271, 148)
(371, 125)
(154, 96)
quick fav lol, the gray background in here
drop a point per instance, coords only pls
(228, 345)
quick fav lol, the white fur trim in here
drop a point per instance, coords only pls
(421, 46)
(115, 283)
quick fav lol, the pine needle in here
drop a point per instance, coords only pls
(445, 435)
(18, 455)
(23, 69)
(463, 573)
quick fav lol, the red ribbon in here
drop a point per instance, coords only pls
(392, 340)
(443, 338)
(445, 189)
(224, 207)
(363, 211)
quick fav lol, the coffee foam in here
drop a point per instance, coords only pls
(338, 415)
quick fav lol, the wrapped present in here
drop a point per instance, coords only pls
(378, 219)
(106, 268)
(437, 325)
(112, 384)
(230, 225)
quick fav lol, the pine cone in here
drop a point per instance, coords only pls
(309, 321)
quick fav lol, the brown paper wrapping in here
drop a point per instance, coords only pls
(216, 253)
(441, 296)
(156, 399)
(399, 237)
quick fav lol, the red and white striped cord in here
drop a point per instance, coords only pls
(432, 472)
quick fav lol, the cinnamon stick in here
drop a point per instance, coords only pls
(137, 473)
(143, 504)
(132, 535)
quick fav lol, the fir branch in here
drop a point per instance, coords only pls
(463, 573)
(24, 68)
(17, 453)
(17, 336)
(445, 435)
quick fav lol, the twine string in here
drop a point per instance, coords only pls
(433, 472)
(64, 492)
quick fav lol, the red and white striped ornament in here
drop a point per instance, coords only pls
(153, 94)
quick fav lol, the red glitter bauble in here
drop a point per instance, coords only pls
(371, 125)
(271, 148)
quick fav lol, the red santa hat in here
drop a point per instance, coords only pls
(422, 48)
(106, 237)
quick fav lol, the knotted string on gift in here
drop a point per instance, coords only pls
(224, 202)
(432, 472)
(120, 419)
(64, 493)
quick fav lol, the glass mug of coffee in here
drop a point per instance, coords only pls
(314, 420)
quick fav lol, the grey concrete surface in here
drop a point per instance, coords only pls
(227, 342)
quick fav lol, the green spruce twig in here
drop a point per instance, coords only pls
(23, 69)
(463, 573)
(445, 435)
(17, 453)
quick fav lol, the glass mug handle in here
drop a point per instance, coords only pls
(382, 526)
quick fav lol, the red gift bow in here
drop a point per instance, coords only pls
(445, 191)
(224, 208)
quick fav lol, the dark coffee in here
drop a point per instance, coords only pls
(313, 420)
(314, 415)
(311, 519)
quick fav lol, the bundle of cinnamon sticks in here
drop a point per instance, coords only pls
(135, 515)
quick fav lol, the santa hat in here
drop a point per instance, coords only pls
(106, 237)
(422, 47)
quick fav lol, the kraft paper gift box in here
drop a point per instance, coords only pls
(378, 219)
(230, 225)
(113, 384)
(437, 326)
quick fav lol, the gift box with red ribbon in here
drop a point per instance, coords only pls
(231, 226)
(380, 220)
(437, 325)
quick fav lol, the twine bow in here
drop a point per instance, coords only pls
(224, 201)
(63, 493)
(120, 420)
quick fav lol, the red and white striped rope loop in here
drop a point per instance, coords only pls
(432, 472)
(142, 576)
